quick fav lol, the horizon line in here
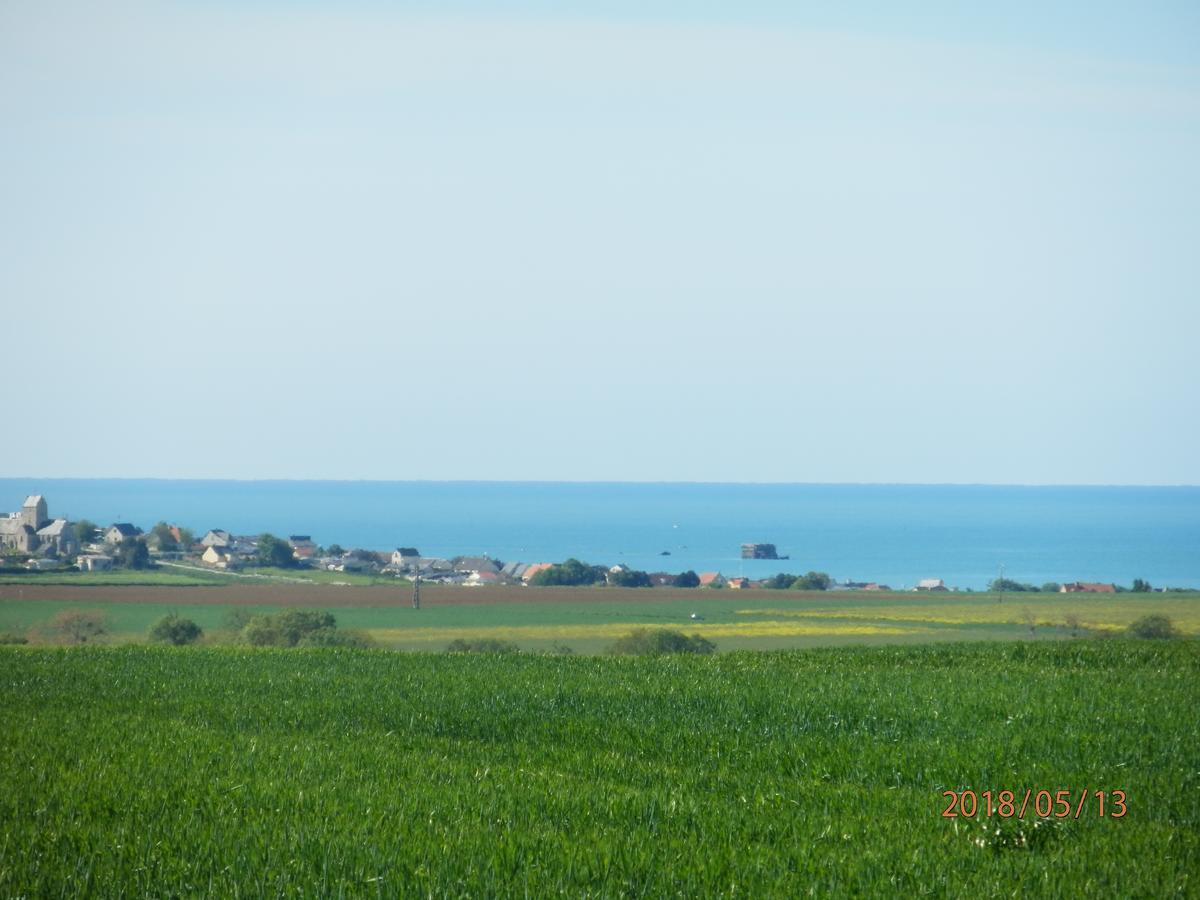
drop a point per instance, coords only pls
(601, 481)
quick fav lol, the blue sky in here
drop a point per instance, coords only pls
(648, 242)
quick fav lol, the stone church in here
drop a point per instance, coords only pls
(31, 530)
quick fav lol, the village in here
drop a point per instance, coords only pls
(31, 540)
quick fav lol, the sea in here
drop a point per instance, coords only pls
(892, 534)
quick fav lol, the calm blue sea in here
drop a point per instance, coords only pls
(895, 534)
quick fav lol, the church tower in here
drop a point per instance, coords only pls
(34, 513)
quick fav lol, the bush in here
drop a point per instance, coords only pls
(171, 629)
(1155, 627)
(288, 628)
(643, 642)
(237, 618)
(79, 625)
(481, 645)
(688, 579)
(332, 637)
(8, 637)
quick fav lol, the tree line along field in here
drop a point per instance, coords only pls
(231, 772)
(589, 619)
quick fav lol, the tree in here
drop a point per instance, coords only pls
(629, 579)
(172, 629)
(1051, 587)
(162, 536)
(132, 553)
(276, 552)
(1140, 586)
(85, 531)
(780, 582)
(335, 550)
(186, 538)
(1008, 586)
(80, 625)
(813, 581)
(571, 573)
(688, 579)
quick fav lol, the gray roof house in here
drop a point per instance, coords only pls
(216, 537)
(475, 564)
(120, 531)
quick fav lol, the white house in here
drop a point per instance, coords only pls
(94, 562)
(218, 557)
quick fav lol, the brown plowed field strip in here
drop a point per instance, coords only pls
(325, 595)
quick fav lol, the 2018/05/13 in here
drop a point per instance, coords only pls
(1058, 804)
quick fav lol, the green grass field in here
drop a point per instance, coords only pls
(168, 577)
(588, 620)
(189, 575)
(226, 772)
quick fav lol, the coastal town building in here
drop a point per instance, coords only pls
(303, 546)
(474, 565)
(218, 557)
(94, 562)
(120, 531)
(216, 537)
(404, 558)
(533, 568)
(712, 580)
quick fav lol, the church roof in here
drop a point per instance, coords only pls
(54, 529)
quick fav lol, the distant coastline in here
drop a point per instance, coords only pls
(965, 535)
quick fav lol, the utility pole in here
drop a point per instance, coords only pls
(417, 591)
(1000, 585)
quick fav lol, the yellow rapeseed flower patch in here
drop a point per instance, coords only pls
(613, 630)
(1090, 613)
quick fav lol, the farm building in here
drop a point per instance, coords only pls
(1087, 587)
(712, 580)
